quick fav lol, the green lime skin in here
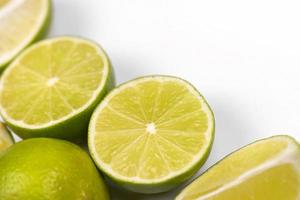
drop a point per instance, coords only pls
(49, 169)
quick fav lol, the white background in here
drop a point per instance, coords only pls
(243, 56)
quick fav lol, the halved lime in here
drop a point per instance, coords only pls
(52, 88)
(6, 139)
(152, 133)
(266, 169)
(21, 22)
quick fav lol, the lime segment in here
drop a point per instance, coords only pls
(21, 22)
(267, 169)
(151, 133)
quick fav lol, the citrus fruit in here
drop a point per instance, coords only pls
(52, 88)
(266, 169)
(21, 23)
(151, 134)
(6, 139)
(44, 168)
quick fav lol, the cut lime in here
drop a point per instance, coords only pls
(267, 169)
(21, 22)
(152, 133)
(53, 86)
(49, 169)
(6, 139)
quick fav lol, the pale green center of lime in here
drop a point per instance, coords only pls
(151, 128)
(52, 81)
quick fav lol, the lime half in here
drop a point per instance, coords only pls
(151, 134)
(21, 22)
(6, 139)
(267, 169)
(53, 86)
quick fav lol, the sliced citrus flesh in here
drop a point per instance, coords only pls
(266, 169)
(6, 139)
(52, 88)
(152, 133)
(21, 22)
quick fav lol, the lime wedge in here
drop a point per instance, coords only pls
(21, 23)
(52, 88)
(6, 139)
(266, 169)
(151, 134)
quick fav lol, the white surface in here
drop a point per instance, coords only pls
(242, 55)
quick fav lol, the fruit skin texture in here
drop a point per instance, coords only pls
(74, 128)
(44, 168)
(43, 31)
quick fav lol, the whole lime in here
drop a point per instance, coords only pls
(49, 169)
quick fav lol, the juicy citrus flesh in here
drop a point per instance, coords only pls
(150, 129)
(44, 168)
(53, 80)
(3, 2)
(267, 169)
(20, 22)
(5, 138)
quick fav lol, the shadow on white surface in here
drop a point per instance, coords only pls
(65, 18)
(231, 127)
(120, 194)
(126, 68)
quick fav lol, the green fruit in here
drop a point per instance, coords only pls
(41, 168)
(268, 169)
(22, 22)
(151, 134)
(51, 89)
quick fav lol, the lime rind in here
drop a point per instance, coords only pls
(173, 179)
(40, 32)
